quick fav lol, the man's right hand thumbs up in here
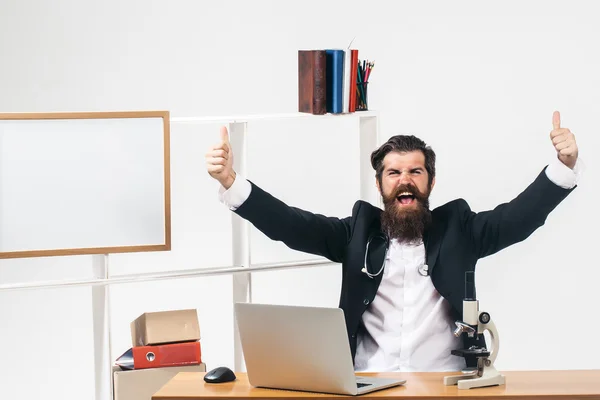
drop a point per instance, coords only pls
(219, 161)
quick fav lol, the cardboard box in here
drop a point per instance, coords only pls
(142, 384)
(164, 327)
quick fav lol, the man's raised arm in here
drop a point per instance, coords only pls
(299, 229)
(512, 222)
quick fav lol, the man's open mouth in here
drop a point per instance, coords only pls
(406, 198)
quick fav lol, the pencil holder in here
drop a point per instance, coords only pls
(362, 101)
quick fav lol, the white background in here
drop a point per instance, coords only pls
(479, 82)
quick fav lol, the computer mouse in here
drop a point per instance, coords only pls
(219, 375)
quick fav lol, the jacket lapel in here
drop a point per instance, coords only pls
(433, 241)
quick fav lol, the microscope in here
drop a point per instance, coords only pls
(476, 323)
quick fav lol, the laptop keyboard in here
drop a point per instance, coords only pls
(359, 385)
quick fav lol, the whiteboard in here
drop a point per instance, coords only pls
(84, 183)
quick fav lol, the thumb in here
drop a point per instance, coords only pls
(224, 135)
(556, 120)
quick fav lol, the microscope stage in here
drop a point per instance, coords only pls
(473, 351)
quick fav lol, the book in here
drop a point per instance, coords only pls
(335, 81)
(312, 82)
(353, 79)
(347, 80)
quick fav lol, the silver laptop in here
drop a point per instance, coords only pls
(300, 348)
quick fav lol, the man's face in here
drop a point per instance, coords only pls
(405, 190)
(404, 179)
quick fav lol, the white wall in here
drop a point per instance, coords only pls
(477, 82)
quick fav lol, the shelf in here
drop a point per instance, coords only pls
(270, 117)
(175, 274)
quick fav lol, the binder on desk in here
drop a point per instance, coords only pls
(163, 355)
(167, 355)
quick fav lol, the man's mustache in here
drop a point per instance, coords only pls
(407, 187)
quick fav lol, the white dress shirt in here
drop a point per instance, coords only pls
(408, 325)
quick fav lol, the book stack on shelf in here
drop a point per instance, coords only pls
(332, 81)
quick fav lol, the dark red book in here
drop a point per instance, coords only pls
(312, 88)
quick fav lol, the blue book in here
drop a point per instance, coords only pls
(335, 80)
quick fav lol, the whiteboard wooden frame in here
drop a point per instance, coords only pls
(166, 246)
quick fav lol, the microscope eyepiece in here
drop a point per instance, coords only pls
(470, 285)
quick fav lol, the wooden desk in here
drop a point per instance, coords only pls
(555, 385)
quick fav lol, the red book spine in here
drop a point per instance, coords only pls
(353, 79)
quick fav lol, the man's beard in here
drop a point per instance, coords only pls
(406, 223)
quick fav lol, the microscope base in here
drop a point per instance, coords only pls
(490, 377)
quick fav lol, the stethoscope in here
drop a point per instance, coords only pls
(423, 269)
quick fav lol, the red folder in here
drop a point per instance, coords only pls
(167, 355)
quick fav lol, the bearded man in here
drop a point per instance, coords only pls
(403, 267)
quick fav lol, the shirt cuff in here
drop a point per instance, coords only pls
(563, 176)
(237, 193)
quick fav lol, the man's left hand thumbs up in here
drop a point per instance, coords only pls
(564, 142)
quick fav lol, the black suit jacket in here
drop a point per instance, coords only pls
(457, 238)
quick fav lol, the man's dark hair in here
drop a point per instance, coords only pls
(402, 144)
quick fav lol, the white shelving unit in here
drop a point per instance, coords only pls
(101, 281)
